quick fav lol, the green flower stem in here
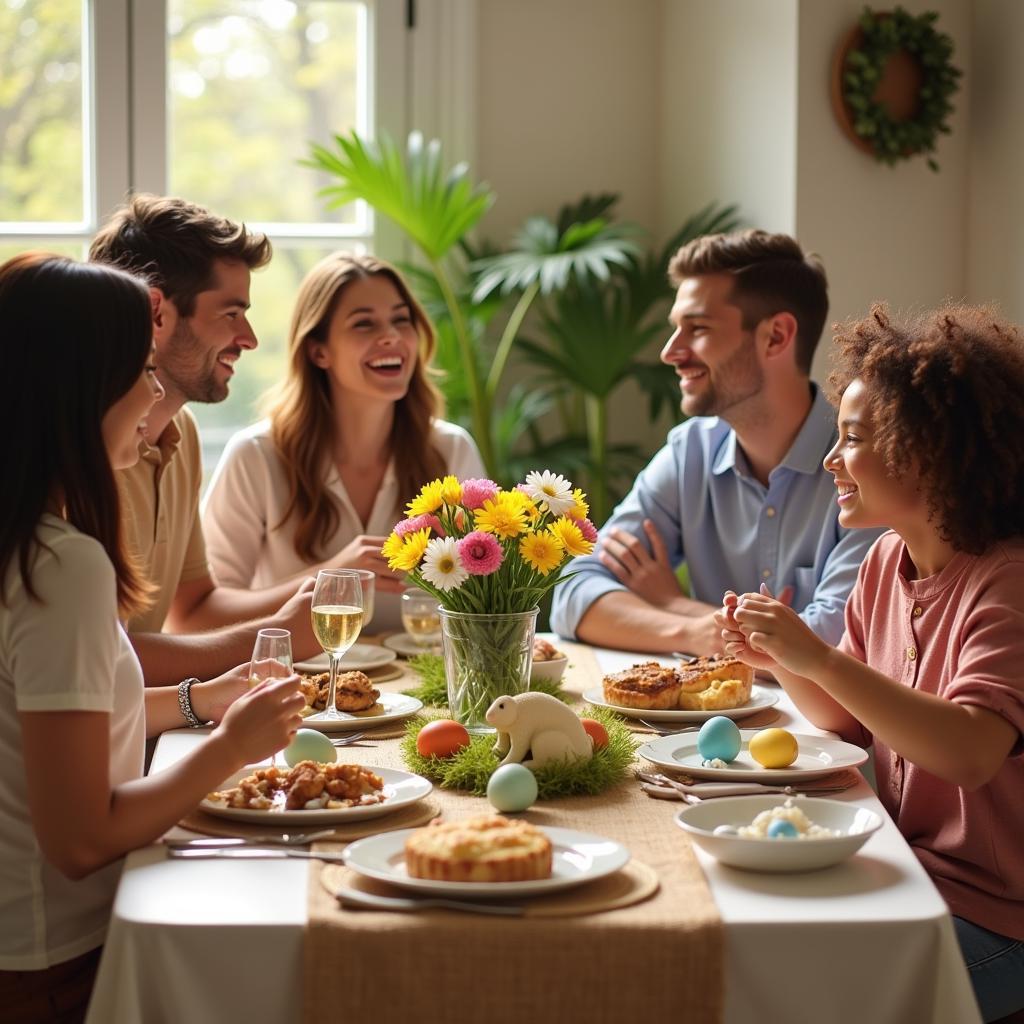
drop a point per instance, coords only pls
(508, 335)
(478, 396)
(597, 440)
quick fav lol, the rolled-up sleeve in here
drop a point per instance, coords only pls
(655, 496)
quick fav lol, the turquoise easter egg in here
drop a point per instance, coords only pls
(512, 788)
(782, 829)
(309, 745)
(719, 737)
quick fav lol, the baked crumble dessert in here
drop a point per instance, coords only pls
(309, 786)
(354, 692)
(647, 686)
(486, 848)
(715, 683)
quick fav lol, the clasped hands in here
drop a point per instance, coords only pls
(765, 633)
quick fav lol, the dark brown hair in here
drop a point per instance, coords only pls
(174, 244)
(945, 392)
(771, 274)
(301, 422)
(74, 338)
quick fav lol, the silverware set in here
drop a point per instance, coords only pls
(662, 787)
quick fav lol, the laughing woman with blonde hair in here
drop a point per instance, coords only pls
(352, 433)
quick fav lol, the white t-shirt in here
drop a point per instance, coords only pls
(67, 654)
(248, 494)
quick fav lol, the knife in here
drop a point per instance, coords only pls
(251, 853)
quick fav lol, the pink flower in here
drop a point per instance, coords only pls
(588, 529)
(426, 521)
(479, 552)
(476, 492)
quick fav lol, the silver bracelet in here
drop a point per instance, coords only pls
(185, 703)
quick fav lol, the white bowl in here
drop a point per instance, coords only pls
(855, 825)
(550, 670)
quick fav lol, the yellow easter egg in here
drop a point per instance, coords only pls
(774, 748)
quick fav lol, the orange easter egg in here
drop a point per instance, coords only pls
(442, 738)
(596, 731)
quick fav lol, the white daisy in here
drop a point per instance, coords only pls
(551, 489)
(441, 565)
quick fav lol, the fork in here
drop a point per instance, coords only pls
(354, 899)
(350, 737)
(662, 731)
(220, 842)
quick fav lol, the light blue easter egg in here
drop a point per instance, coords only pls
(781, 829)
(719, 737)
(512, 788)
(309, 745)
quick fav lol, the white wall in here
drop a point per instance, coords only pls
(995, 249)
(728, 125)
(894, 233)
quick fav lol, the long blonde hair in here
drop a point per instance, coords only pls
(301, 421)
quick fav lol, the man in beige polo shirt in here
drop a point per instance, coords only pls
(198, 266)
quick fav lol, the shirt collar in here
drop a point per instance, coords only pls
(166, 445)
(805, 454)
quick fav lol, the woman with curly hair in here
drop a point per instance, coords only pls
(931, 666)
(354, 431)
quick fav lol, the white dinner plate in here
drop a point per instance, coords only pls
(403, 643)
(396, 707)
(819, 755)
(401, 789)
(357, 657)
(761, 697)
(578, 857)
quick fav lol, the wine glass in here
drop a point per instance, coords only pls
(367, 580)
(337, 618)
(421, 617)
(271, 659)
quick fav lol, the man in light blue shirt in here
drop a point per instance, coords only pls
(739, 492)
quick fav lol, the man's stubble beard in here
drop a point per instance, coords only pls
(738, 379)
(181, 367)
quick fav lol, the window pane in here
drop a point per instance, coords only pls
(250, 83)
(273, 294)
(41, 110)
(76, 250)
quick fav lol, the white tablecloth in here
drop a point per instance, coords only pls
(868, 941)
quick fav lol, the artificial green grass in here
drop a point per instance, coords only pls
(433, 688)
(471, 768)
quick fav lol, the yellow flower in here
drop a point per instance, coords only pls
(428, 500)
(451, 490)
(413, 546)
(581, 509)
(392, 546)
(543, 551)
(571, 537)
(504, 516)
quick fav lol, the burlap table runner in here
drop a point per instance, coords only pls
(660, 959)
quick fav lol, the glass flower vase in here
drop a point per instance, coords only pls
(485, 657)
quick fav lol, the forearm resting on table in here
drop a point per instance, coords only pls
(167, 658)
(624, 621)
(81, 824)
(200, 605)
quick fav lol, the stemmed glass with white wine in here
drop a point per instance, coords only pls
(337, 619)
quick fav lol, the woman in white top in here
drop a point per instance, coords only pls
(352, 435)
(76, 351)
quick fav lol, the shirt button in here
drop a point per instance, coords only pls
(912, 653)
(770, 511)
(765, 573)
(918, 610)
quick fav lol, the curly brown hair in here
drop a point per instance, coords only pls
(947, 401)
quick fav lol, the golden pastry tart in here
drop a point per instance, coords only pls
(487, 848)
(715, 683)
(648, 686)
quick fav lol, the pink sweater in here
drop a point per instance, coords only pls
(958, 634)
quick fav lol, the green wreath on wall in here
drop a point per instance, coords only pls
(863, 61)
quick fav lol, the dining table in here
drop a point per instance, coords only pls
(867, 940)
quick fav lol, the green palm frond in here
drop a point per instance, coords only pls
(544, 258)
(434, 207)
(587, 208)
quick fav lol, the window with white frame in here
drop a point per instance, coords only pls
(213, 100)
